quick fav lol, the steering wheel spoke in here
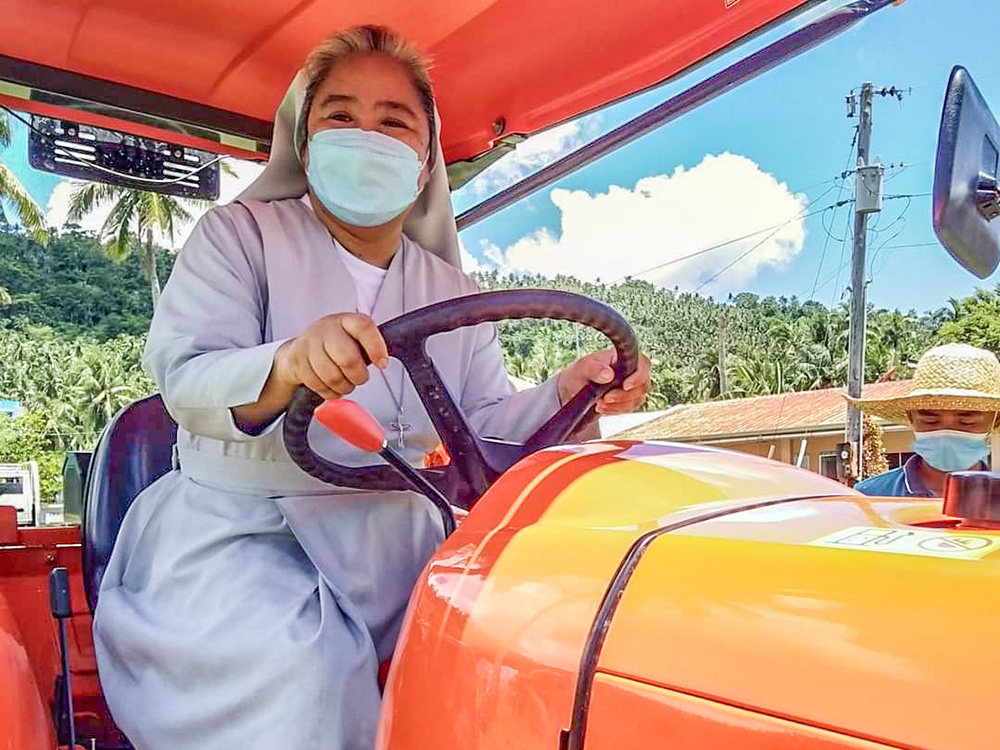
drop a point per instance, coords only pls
(458, 437)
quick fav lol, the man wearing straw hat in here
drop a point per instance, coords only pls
(952, 407)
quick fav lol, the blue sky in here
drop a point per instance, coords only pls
(786, 137)
(792, 123)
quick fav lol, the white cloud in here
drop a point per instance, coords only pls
(57, 209)
(533, 154)
(229, 188)
(470, 264)
(663, 218)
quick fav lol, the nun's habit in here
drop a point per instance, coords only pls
(247, 605)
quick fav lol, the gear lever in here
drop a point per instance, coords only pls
(353, 424)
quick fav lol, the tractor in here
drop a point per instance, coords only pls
(597, 596)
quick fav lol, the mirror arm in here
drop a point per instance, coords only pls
(988, 196)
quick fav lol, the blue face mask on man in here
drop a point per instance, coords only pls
(363, 177)
(952, 450)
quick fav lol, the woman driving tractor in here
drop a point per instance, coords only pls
(247, 604)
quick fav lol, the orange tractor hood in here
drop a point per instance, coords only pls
(839, 613)
(607, 594)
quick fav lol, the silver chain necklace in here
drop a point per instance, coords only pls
(399, 426)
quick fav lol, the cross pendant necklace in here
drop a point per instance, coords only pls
(399, 426)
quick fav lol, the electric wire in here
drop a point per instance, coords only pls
(826, 244)
(733, 240)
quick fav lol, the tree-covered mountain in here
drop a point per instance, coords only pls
(73, 323)
(73, 287)
(772, 345)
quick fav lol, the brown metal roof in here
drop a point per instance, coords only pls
(806, 411)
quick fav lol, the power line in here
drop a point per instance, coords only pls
(826, 281)
(710, 248)
(830, 278)
(827, 181)
(848, 235)
(841, 266)
(847, 163)
(896, 92)
(703, 284)
(918, 244)
(901, 218)
(829, 230)
(879, 250)
(877, 228)
(901, 167)
(748, 252)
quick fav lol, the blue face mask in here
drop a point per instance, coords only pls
(952, 450)
(362, 177)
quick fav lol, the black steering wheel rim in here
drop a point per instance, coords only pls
(476, 462)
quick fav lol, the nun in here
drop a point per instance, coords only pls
(247, 605)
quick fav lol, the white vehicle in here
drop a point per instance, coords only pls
(19, 487)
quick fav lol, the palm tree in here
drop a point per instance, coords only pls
(705, 376)
(755, 376)
(103, 385)
(547, 358)
(74, 386)
(11, 190)
(135, 218)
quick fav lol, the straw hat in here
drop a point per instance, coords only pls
(952, 377)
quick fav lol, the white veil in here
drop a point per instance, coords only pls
(431, 222)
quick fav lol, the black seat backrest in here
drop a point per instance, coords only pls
(135, 449)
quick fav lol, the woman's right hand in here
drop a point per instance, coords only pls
(328, 357)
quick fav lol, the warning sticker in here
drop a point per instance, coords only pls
(912, 542)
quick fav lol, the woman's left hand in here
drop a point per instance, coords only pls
(596, 368)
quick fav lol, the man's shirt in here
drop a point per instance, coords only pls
(902, 482)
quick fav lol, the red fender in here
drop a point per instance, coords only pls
(24, 720)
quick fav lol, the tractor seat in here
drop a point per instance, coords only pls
(135, 449)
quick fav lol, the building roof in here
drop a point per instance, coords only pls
(520, 384)
(803, 412)
(615, 424)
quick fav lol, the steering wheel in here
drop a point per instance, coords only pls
(476, 461)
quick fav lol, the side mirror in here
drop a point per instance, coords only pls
(966, 199)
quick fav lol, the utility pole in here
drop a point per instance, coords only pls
(867, 199)
(723, 384)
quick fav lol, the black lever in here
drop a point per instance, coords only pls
(350, 422)
(62, 610)
(421, 485)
